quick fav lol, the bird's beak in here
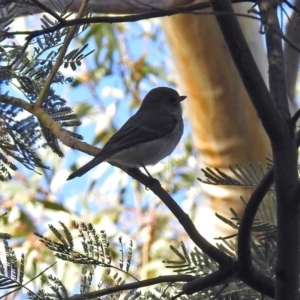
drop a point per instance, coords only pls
(181, 98)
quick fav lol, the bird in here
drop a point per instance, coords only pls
(147, 137)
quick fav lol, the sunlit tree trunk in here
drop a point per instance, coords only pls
(225, 128)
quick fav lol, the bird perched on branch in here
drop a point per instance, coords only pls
(150, 135)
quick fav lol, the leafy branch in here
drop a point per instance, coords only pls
(34, 75)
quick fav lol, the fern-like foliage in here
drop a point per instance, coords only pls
(17, 140)
(247, 175)
(11, 271)
(95, 247)
(96, 252)
(264, 225)
(242, 175)
(263, 239)
(263, 251)
(27, 71)
(265, 222)
(195, 262)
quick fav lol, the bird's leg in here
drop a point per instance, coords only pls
(144, 167)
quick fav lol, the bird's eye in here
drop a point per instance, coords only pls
(173, 100)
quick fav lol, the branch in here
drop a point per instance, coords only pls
(184, 219)
(132, 286)
(244, 233)
(60, 58)
(277, 125)
(23, 285)
(155, 13)
(291, 56)
(55, 127)
(268, 10)
(250, 75)
(48, 10)
(285, 165)
(255, 279)
(214, 279)
(111, 19)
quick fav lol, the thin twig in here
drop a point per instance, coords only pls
(49, 11)
(120, 19)
(24, 285)
(293, 7)
(43, 94)
(54, 126)
(134, 285)
(292, 57)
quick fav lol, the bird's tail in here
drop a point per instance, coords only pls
(94, 162)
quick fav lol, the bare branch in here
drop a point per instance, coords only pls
(275, 57)
(134, 285)
(292, 53)
(248, 70)
(59, 60)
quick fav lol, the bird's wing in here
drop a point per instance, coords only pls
(136, 131)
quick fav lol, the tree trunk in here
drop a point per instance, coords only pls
(226, 130)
